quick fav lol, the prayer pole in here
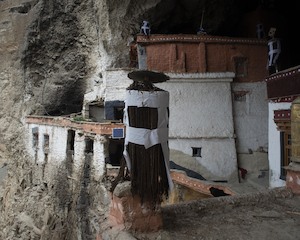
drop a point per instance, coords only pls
(146, 150)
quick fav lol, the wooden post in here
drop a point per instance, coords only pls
(146, 151)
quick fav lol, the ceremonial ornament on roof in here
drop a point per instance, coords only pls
(145, 28)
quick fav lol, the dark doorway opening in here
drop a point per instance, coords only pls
(116, 148)
(71, 140)
(89, 145)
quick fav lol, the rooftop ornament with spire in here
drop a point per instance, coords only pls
(201, 30)
(145, 28)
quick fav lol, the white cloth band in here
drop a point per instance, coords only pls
(147, 137)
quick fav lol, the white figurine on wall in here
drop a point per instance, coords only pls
(260, 32)
(145, 28)
(274, 47)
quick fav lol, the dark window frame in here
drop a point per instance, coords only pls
(46, 143)
(35, 140)
(285, 152)
(89, 145)
(241, 66)
(196, 151)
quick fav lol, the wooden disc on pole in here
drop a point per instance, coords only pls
(144, 80)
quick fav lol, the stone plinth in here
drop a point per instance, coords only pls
(127, 212)
(293, 177)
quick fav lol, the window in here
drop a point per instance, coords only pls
(46, 143)
(240, 96)
(35, 137)
(114, 110)
(196, 151)
(282, 119)
(118, 133)
(70, 140)
(116, 148)
(89, 145)
(118, 113)
(96, 112)
(240, 66)
(286, 152)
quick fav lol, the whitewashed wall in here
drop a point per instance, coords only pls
(111, 88)
(200, 105)
(116, 82)
(45, 167)
(58, 149)
(251, 117)
(79, 147)
(100, 153)
(57, 143)
(274, 146)
(200, 114)
(251, 127)
(217, 156)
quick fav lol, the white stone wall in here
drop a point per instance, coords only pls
(217, 156)
(48, 161)
(200, 115)
(58, 149)
(57, 143)
(100, 153)
(200, 105)
(251, 117)
(251, 127)
(111, 88)
(116, 82)
(79, 147)
(274, 146)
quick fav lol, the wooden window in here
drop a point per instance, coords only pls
(89, 145)
(240, 96)
(118, 113)
(70, 140)
(35, 137)
(116, 148)
(196, 151)
(114, 110)
(46, 143)
(286, 152)
(282, 118)
(240, 66)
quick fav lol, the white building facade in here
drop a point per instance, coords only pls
(201, 122)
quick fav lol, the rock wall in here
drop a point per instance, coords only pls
(51, 52)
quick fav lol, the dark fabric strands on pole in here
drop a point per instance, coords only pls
(148, 173)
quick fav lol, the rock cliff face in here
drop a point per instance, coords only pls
(49, 50)
(50, 53)
(52, 50)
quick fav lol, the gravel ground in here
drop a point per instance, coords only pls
(274, 215)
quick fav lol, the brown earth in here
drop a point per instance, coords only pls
(274, 214)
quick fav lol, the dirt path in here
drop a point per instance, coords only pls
(260, 218)
(273, 215)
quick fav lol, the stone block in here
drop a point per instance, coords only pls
(127, 212)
